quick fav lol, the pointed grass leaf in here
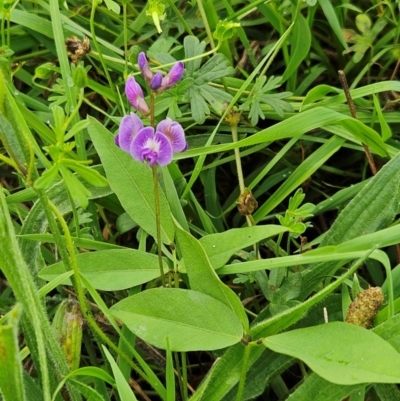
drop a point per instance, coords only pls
(333, 21)
(203, 278)
(341, 353)
(300, 47)
(132, 183)
(220, 247)
(124, 391)
(190, 320)
(110, 270)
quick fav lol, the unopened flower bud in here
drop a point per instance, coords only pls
(135, 96)
(156, 81)
(174, 76)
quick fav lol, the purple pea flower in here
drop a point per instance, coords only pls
(174, 133)
(128, 129)
(151, 147)
(135, 96)
(175, 74)
(144, 67)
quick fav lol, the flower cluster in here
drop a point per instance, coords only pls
(146, 144)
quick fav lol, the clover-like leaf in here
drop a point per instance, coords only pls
(262, 96)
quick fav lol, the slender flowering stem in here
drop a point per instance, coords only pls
(86, 311)
(158, 222)
(152, 102)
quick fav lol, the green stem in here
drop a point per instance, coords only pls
(81, 295)
(125, 24)
(71, 117)
(206, 25)
(179, 371)
(238, 160)
(152, 104)
(186, 60)
(71, 264)
(74, 212)
(158, 223)
(180, 17)
(235, 139)
(99, 53)
(17, 274)
(278, 245)
(3, 37)
(184, 376)
(245, 362)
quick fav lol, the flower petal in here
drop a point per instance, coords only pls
(175, 134)
(129, 127)
(165, 152)
(140, 142)
(135, 96)
(150, 148)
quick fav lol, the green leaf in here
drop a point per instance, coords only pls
(203, 278)
(318, 93)
(124, 391)
(47, 178)
(330, 15)
(191, 321)
(221, 246)
(200, 93)
(11, 382)
(233, 358)
(341, 353)
(300, 46)
(322, 390)
(90, 175)
(78, 191)
(363, 23)
(301, 123)
(113, 6)
(386, 132)
(130, 180)
(261, 95)
(111, 270)
(193, 48)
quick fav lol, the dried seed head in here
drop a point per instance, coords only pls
(76, 48)
(364, 308)
(246, 203)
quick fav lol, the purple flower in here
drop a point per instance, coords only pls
(175, 74)
(128, 129)
(135, 96)
(174, 133)
(156, 81)
(144, 67)
(151, 147)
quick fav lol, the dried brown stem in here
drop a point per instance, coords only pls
(350, 103)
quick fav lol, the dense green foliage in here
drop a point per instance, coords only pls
(261, 263)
